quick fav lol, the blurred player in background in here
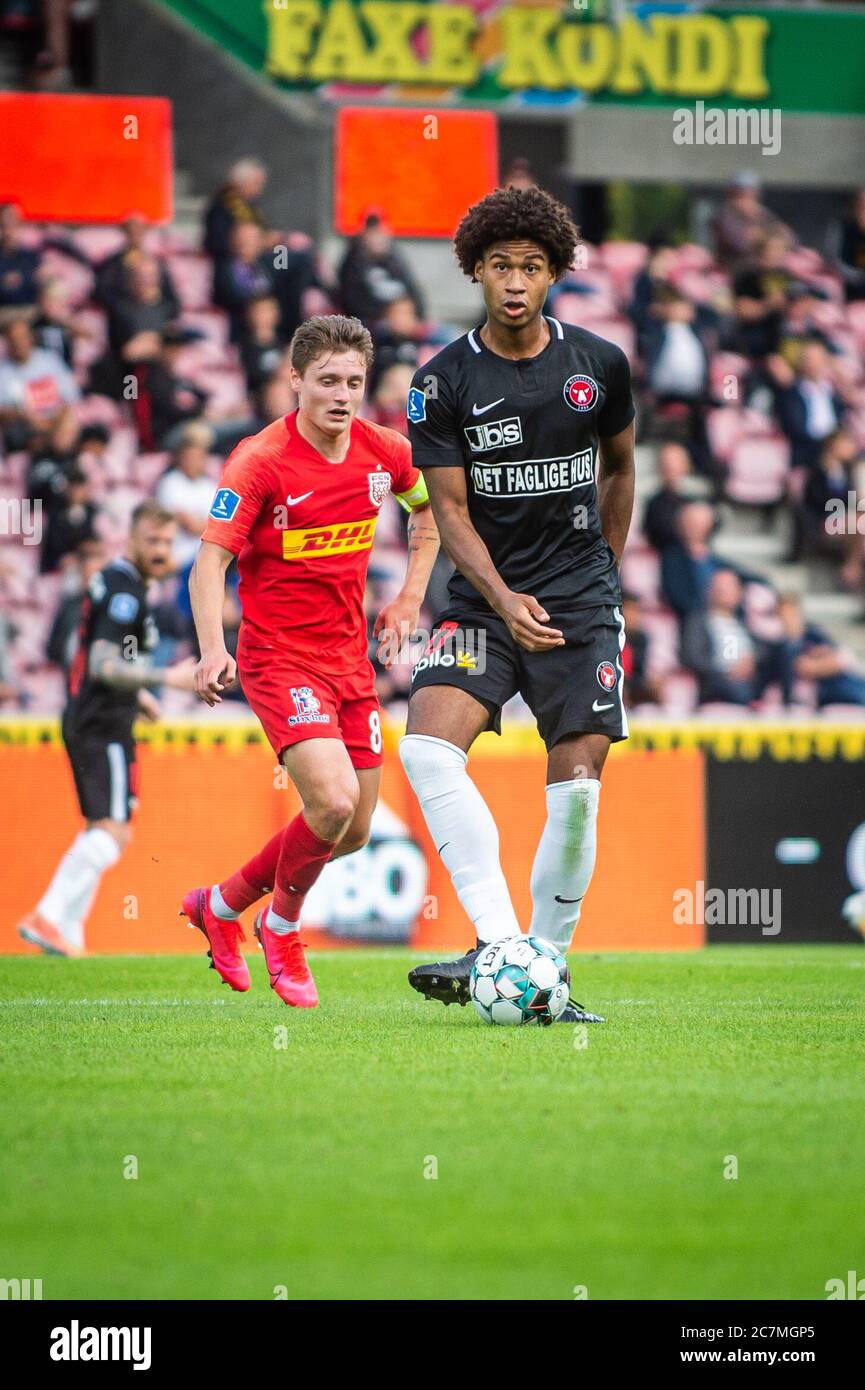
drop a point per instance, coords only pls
(107, 685)
(506, 424)
(298, 504)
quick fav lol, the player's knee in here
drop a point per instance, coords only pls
(426, 760)
(120, 831)
(333, 812)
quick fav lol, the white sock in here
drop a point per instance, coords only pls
(463, 831)
(69, 896)
(219, 907)
(280, 925)
(565, 859)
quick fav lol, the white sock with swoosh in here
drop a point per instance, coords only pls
(564, 859)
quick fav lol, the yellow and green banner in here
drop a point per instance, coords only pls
(547, 52)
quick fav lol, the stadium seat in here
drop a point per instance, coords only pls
(147, 469)
(855, 319)
(193, 280)
(725, 427)
(97, 243)
(758, 469)
(624, 260)
(724, 366)
(693, 257)
(619, 331)
(641, 572)
(77, 278)
(679, 691)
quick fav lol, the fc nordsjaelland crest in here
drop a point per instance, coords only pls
(581, 392)
(606, 674)
(379, 487)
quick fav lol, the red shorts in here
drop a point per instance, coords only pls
(294, 702)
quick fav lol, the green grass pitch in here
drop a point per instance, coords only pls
(307, 1167)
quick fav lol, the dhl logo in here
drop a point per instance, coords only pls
(308, 542)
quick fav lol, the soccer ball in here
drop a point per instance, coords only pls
(522, 979)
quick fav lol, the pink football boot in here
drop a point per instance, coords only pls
(290, 975)
(224, 938)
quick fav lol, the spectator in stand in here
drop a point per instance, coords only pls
(389, 397)
(262, 345)
(236, 203)
(9, 694)
(662, 509)
(293, 266)
(69, 524)
(54, 326)
(687, 566)
(743, 222)
(143, 308)
(114, 274)
(186, 490)
(850, 253)
(760, 291)
(374, 272)
(650, 287)
(52, 460)
(827, 484)
(162, 400)
(19, 265)
(730, 663)
(678, 348)
(37, 390)
(639, 687)
(518, 174)
(277, 399)
(89, 558)
(811, 408)
(799, 325)
(245, 274)
(814, 656)
(397, 337)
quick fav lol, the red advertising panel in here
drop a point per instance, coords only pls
(86, 158)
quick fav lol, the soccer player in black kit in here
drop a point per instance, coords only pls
(107, 689)
(524, 432)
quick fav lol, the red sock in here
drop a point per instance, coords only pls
(256, 878)
(301, 859)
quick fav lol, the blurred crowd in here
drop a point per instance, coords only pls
(132, 362)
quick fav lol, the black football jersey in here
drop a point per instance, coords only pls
(114, 610)
(526, 432)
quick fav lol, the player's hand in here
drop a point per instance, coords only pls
(149, 707)
(394, 625)
(527, 623)
(213, 674)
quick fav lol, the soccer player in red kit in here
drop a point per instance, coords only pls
(297, 505)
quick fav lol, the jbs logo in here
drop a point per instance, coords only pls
(495, 434)
(308, 542)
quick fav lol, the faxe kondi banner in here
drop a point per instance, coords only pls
(547, 52)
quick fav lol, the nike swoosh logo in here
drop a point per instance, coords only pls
(482, 410)
(598, 707)
(293, 501)
(568, 900)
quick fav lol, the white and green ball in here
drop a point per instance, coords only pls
(522, 979)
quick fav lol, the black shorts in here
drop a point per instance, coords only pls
(106, 775)
(574, 689)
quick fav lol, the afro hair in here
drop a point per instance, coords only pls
(517, 214)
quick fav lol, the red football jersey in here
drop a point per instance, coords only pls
(302, 529)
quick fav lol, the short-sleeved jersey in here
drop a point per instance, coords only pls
(526, 432)
(302, 529)
(114, 610)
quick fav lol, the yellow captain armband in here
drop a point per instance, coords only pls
(415, 497)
